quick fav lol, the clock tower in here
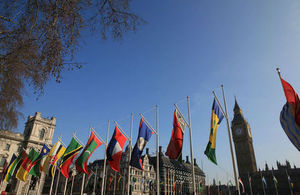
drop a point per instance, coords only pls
(242, 139)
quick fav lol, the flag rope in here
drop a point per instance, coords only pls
(97, 135)
(122, 130)
(148, 124)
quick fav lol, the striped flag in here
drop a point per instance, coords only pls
(115, 148)
(13, 165)
(72, 150)
(144, 136)
(54, 155)
(290, 114)
(216, 118)
(22, 173)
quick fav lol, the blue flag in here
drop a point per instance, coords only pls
(144, 136)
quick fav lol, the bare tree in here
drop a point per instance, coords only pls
(38, 40)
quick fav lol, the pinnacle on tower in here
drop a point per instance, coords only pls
(236, 108)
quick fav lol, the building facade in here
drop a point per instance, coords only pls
(38, 131)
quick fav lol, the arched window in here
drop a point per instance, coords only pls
(42, 134)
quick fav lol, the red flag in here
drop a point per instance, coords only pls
(175, 146)
(292, 98)
(114, 149)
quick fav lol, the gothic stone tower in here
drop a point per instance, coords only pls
(242, 138)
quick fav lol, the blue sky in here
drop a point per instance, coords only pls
(187, 48)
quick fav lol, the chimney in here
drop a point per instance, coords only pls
(160, 149)
(187, 159)
(147, 151)
(195, 163)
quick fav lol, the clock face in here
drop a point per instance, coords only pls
(238, 131)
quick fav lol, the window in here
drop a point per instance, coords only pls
(7, 146)
(20, 149)
(2, 161)
(42, 134)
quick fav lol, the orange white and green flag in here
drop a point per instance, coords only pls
(22, 173)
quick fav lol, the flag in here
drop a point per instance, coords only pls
(144, 136)
(242, 184)
(13, 164)
(264, 182)
(200, 185)
(216, 118)
(275, 182)
(6, 170)
(175, 145)
(110, 180)
(72, 150)
(174, 186)
(36, 169)
(3, 171)
(118, 184)
(290, 114)
(89, 181)
(90, 147)
(54, 155)
(290, 181)
(115, 149)
(26, 165)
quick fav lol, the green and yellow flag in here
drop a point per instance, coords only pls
(13, 164)
(26, 165)
(216, 118)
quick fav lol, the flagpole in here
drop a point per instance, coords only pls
(157, 154)
(191, 145)
(52, 180)
(289, 180)
(104, 165)
(129, 157)
(229, 136)
(66, 183)
(251, 193)
(57, 182)
(82, 184)
(95, 180)
(73, 176)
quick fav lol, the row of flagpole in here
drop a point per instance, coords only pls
(156, 131)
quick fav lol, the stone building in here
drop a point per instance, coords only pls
(247, 168)
(144, 182)
(38, 131)
(176, 176)
(141, 181)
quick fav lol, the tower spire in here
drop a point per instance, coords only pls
(236, 108)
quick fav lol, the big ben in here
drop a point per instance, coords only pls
(242, 139)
